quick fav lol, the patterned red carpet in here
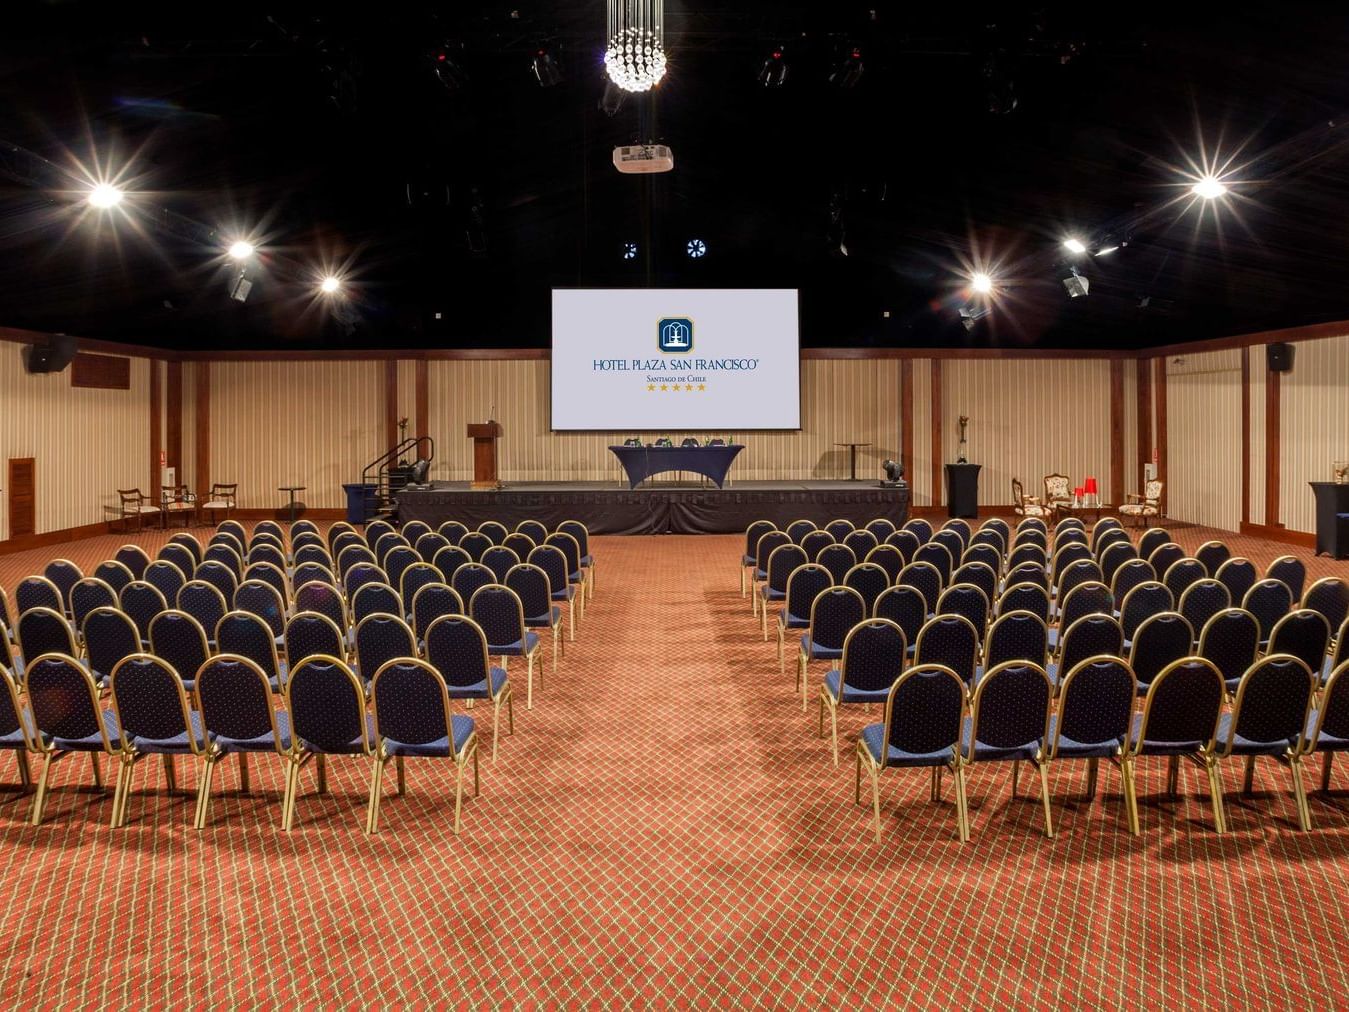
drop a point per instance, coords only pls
(664, 828)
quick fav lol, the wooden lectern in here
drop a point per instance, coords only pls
(484, 436)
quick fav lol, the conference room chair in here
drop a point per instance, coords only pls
(530, 584)
(134, 558)
(1151, 539)
(888, 557)
(222, 537)
(306, 539)
(1182, 574)
(980, 575)
(1145, 600)
(1179, 720)
(1092, 635)
(68, 717)
(1008, 722)
(495, 530)
(869, 580)
(44, 631)
(326, 705)
(375, 599)
(429, 544)
(873, 658)
(961, 528)
(520, 544)
(265, 572)
(861, 542)
(1159, 642)
(386, 543)
(1329, 596)
(1072, 535)
(1328, 726)
(921, 728)
(469, 578)
(267, 535)
(994, 539)
(410, 705)
(939, 556)
(263, 600)
(906, 541)
(359, 575)
(1001, 526)
(109, 636)
(1069, 522)
(218, 557)
(415, 577)
(804, 584)
(1093, 722)
(204, 602)
(414, 529)
(1066, 555)
(191, 543)
(38, 592)
(115, 574)
(880, 528)
(219, 576)
(967, 600)
(376, 529)
(345, 540)
(1339, 651)
(1102, 528)
(63, 574)
(85, 596)
(951, 641)
(1213, 554)
(355, 555)
(179, 640)
(339, 529)
(1291, 571)
(571, 548)
(270, 528)
(1109, 539)
(454, 531)
(783, 560)
(430, 602)
(832, 614)
(1304, 634)
(984, 554)
(449, 559)
(269, 554)
(142, 601)
(499, 613)
(299, 527)
(500, 560)
(1131, 574)
(238, 714)
(1027, 572)
(1025, 597)
(951, 539)
(1034, 535)
(1115, 557)
(234, 528)
(456, 647)
(1089, 598)
(537, 532)
(837, 558)
(381, 637)
(245, 635)
(905, 607)
(1201, 600)
(400, 559)
(152, 709)
(1268, 600)
(840, 529)
(920, 528)
(553, 562)
(1163, 557)
(1230, 640)
(925, 578)
(1074, 575)
(1271, 716)
(798, 529)
(16, 721)
(1015, 636)
(327, 601)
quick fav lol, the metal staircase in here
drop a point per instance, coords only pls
(389, 472)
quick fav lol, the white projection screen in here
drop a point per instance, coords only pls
(721, 360)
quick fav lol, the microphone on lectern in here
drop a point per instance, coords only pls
(491, 416)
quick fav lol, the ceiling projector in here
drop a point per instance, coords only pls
(644, 158)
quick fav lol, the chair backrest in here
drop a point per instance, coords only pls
(354, 555)
(869, 580)
(1033, 535)
(1160, 640)
(1150, 539)
(538, 533)
(379, 639)
(38, 592)
(1181, 574)
(1304, 634)
(142, 602)
(326, 702)
(227, 538)
(165, 576)
(925, 711)
(469, 578)
(414, 529)
(240, 633)
(1077, 573)
(1085, 599)
(497, 531)
(572, 550)
(115, 574)
(861, 542)
(475, 543)
(1291, 570)
(1141, 603)
(553, 562)
(951, 641)
(324, 599)
(937, 555)
(1017, 636)
(753, 533)
(1102, 533)
(962, 529)
(399, 560)
(64, 574)
(925, 578)
(520, 544)
(1272, 703)
(108, 637)
(763, 549)
(1329, 596)
(1096, 704)
(1058, 487)
(888, 557)
(150, 702)
(881, 527)
(64, 699)
(386, 543)
(1065, 555)
(219, 576)
(983, 554)
(264, 552)
(951, 538)
(236, 699)
(263, 600)
(996, 538)
(499, 613)
(1213, 554)
(270, 527)
(798, 529)
(450, 558)
(204, 603)
(274, 577)
(134, 558)
(1112, 537)
(1231, 641)
(179, 556)
(906, 541)
(1332, 717)
(1025, 596)
(833, 612)
(359, 575)
(1115, 556)
(840, 529)
(968, 600)
(375, 599)
(1093, 635)
(838, 559)
(376, 529)
(1268, 600)
(430, 543)
(415, 577)
(530, 584)
(980, 575)
(230, 526)
(1164, 556)
(1027, 572)
(453, 530)
(873, 655)
(920, 528)
(1182, 706)
(903, 606)
(221, 555)
(431, 602)
(1129, 575)
(88, 594)
(410, 703)
(308, 634)
(457, 647)
(178, 640)
(44, 631)
(815, 541)
(1010, 708)
(1202, 600)
(500, 560)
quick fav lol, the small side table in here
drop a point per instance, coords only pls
(292, 489)
(852, 458)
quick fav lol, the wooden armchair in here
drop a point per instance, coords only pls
(1144, 506)
(176, 499)
(1058, 490)
(222, 497)
(1027, 505)
(132, 503)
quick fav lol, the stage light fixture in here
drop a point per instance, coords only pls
(241, 250)
(240, 287)
(894, 474)
(981, 283)
(1075, 284)
(629, 251)
(1074, 245)
(847, 70)
(1209, 188)
(773, 72)
(105, 195)
(695, 248)
(330, 285)
(546, 69)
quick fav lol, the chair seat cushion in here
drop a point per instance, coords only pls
(478, 690)
(565, 594)
(353, 747)
(517, 649)
(587, 561)
(815, 652)
(851, 695)
(770, 594)
(461, 727)
(93, 742)
(1162, 747)
(979, 751)
(175, 745)
(16, 738)
(789, 621)
(217, 504)
(1245, 746)
(746, 560)
(873, 740)
(553, 617)
(180, 506)
(140, 509)
(1070, 749)
(263, 742)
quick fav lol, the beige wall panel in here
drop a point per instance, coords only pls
(1130, 433)
(1203, 415)
(920, 479)
(1256, 503)
(1029, 418)
(1313, 425)
(305, 423)
(188, 465)
(407, 393)
(87, 443)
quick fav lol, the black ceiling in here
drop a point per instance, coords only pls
(311, 134)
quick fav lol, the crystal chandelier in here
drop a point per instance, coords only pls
(634, 57)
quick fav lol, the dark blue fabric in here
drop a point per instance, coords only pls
(478, 690)
(92, 742)
(1070, 749)
(263, 742)
(641, 462)
(460, 728)
(178, 744)
(990, 753)
(873, 738)
(851, 695)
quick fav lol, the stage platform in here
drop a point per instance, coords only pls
(658, 508)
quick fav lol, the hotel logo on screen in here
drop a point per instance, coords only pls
(675, 335)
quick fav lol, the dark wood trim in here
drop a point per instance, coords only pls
(389, 383)
(1145, 443)
(936, 433)
(1117, 430)
(367, 355)
(173, 410)
(1272, 396)
(203, 423)
(906, 418)
(1245, 436)
(1312, 332)
(100, 372)
(422, 383)
(27, 542)
(282, 512)
(963, 353)
(1159, 386)
(1302, 539)
(156, 430)
(16, 335)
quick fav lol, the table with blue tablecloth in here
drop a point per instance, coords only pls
(641, 462)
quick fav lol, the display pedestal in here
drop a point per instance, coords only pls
(962, 490)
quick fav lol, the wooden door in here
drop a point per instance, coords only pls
(22, 496)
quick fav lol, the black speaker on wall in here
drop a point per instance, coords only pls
(50, 355)
(1279, 357)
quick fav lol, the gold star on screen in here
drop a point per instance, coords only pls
(675, 387)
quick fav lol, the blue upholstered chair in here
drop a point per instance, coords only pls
(185, 562)
(224, 537)
(869, 580)
(1090, 598)
(906, 541)
(1116, 556)
(245, 635)
(922, 727)
(499, 559)
(1339, 652)
(498, 612)
(873, 657)
(414, 529)
(920, 528)
(798, 529)
(386, 543)
(888, 557)
(359, 575)
(1230, 640)
(991, 537)
(579, 531)
(1164, 556)
(1304, 634)
(1330, 597)
(469, 577)
(906, 607)
(312, 572)
(429, 544)
(832, 614)
(1270, 717)
(749, 557)
(1074, 575)
(1238, 575)
(978, 574)
(16, 721)
(1142, 602)
(234, 529)
(88, 594)
(142, 601)
(375, 599)
(356, 555)
(237, 710)
(326, 704)
(269, 553)
(1031, 537)
(1094, 720)
(326, 600)
(925, 578)
(457, 648)
(1016, 636)
(310, 634)
(1328, 726)
(1029, 597)
(939, 557)
(263, 600)
(165, 576)
(205, 603)
(219, 576)
(475, 543)
(840, 529)
(1008, 722)
(1092, 635)
(219, 555)
(44, 631)
(1029, 571)
(805, 583)
(1290, 570)
(411, 706)
(967, 600)
(837, 558)
(1181, 574)
(520, 544)
(950, 641)
(399, 561)
(954, 544)
(178, 639)
(553, 562)
(64, 574)
(452, 530)
(571, 548)
(431, 602)
(134, 558)
(860, 541)
(448, 560)
(1213, 554)
(495, 530)
(1179, 720)
(152, 709)
(38, 592)
(68, 717)
(881, 527)
(981, 554)
(115, 574)
(532, 529)
(270, 528)
(1268, 600)
(109, 636)
(380, 638)
(1159, 642)
(530, 584)
(768, 543)
(1065, 555)
(1132, 573)
(265, 572)
(415, 577)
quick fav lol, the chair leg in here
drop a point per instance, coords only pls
(40, 798)
(857, 775)
(292, 789)
(876, 800)
(763, 621)
(1215, 788)
(1092, 775)
(98, 768)
(1126, 767)
(26, 774)
(742, 581)
(529, 685)
(571, 622)
(121, 789)
(243, 772)
(962, 804)
(1172, 775)
(556, 638)
(475, 768)
(934, 788)
(204, 792)
(1248, 778)
(376, 789)
(496, 725)
(402, 776)
(833, 723)
(1044, 798)
(1304, 812)
(170, 774)
(1016, 771)
(1325, 771)
(782, 661)
(321, 773)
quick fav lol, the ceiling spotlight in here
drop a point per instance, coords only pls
(330, 285)
(1209, 188)
(1073, 245)
(695, 248)
(105, 195)
(981, 283)
(971, 315)
(1107, 249)
(241, 250)
(629, 251)
(773, 73)
(1075, 284)
(546, 69)
(847, 70)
